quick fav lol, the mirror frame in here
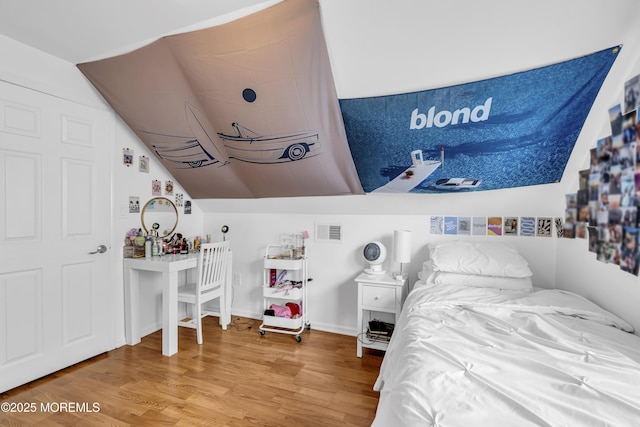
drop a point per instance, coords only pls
(169, 202)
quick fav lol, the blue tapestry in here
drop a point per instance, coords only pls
(510, 131)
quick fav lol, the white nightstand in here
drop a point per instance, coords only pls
(377, 293)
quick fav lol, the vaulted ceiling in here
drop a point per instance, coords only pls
(80, 31)
(375, 47)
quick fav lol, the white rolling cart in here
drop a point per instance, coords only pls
(285, 281)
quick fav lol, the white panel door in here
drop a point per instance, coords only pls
(56, 297)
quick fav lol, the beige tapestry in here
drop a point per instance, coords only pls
(241, 110)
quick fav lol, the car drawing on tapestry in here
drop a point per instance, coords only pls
(251, 147)
(188, 151)
(206, 147)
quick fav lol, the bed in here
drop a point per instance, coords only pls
(477, 345)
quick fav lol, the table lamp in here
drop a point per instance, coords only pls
(402, 247)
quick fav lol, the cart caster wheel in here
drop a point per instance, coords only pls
(308, 326)
(298, 338)
(262, 332)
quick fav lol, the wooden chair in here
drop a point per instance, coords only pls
(212, 274)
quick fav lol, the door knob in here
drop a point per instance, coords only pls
(99, 250)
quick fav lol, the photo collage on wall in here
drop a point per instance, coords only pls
(494, 225)
(604, 209)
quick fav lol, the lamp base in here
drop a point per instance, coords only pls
(375, 269)
(399, 275)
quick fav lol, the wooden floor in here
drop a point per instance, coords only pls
(236, 378)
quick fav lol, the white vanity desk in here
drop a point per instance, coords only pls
(169, 266)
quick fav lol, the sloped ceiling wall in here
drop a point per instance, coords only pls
(379, 47)
(407, 46)
(241, 110)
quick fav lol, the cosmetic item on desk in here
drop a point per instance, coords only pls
(147, 247)
(128, 251)
(154, 247)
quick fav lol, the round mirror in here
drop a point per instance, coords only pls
(161, 215)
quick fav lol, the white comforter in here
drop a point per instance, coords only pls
(463, 356)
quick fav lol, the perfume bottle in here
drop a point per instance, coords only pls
(147, 247)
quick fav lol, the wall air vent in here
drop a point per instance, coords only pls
(328, 233)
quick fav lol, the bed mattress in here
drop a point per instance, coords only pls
(464, 356)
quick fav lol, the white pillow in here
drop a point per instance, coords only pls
(476, 281)
(479, 258)
(427, 270)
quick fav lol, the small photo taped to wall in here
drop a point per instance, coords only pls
(134, 204)
(127, 157)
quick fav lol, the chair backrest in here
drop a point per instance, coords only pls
(212, 265)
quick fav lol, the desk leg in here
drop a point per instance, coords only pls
(131, 306)
(227, 296)
(170, 313)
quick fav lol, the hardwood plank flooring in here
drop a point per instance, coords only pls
(236, 378)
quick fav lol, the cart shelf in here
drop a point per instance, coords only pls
(284, 281)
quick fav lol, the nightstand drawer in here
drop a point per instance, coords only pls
(379, 297)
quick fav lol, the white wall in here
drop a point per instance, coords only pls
(31, 68)
(129, 181)
(577, 268)
(333, 266)
(34, 69)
